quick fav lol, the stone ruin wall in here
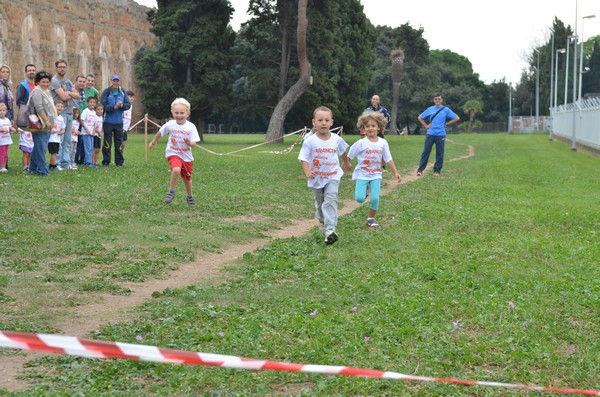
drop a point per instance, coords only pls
(95, 36)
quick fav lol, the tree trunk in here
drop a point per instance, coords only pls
(284, 64)
(275, 129)
(397, 57)
(200, 127)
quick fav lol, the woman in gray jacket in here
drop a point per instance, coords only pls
(41, 98)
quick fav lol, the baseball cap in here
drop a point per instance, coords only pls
(116, 77)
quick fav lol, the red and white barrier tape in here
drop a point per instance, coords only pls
(96, 349)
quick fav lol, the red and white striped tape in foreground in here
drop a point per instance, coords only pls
(95, 349)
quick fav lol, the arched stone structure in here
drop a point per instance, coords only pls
(84, 53)
(125, 64)
(30, 42)
(104, 53)
(59, 41)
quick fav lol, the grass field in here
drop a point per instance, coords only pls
(489, 272)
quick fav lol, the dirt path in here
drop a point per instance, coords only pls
(81, 320)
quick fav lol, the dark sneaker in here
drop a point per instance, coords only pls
(191, 202)
(372, 223)
(170, 197)
(330, 237)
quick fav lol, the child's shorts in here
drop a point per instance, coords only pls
(53, 147)
(97, 142)
(187, 167)
(26, 149)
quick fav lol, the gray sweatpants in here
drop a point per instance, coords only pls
(326, 202)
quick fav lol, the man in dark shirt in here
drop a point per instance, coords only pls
(375, 107)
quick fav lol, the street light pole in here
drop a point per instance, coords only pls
(573, 140)
(567, 69)
(581, 55)
(537, 91)
(559, 51)
(510, 108)
(552, 69)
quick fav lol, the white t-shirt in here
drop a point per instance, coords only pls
(88, 118)
(126, 120)
(74, 130)
(323, 156)
(59, 124)
(369, 155)
(98, 125)
(26, 139)
(5, 138)
(177, 133)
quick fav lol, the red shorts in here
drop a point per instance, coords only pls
(187, 167)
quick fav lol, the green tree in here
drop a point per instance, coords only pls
(472, 108)
(275, 129)
(591, 79)
(192, 58)
(339, 45)
(416, 73)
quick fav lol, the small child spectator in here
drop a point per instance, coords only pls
(5, 138)
(98, 132)
(88, 124)
(58, 130)
(75, 128)
(127, 119)
(26, 146)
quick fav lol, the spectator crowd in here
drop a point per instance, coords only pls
(71, 121)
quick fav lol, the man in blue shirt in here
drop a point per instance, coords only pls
(375, 107)
(115, 101)
(435, 119)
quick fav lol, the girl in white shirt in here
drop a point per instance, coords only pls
(370, 153)
(5, 139)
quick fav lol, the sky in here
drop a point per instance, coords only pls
(496, 36)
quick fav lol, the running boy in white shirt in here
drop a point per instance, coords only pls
(183, 136)
(319, 157)
(370, 152)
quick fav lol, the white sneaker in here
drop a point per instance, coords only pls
(59, 168)
(73, 167)
(372, 223)
(3, 170)
(330, 237)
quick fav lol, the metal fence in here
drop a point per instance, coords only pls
(578, 123)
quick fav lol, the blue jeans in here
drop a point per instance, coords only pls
(360, 192)
(88, 148)
(64, 154)
(38, 164)
(326, 201)
(439, 142)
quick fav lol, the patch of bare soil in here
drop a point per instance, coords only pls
(80, 321)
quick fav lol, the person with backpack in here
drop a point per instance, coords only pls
(115, 102)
